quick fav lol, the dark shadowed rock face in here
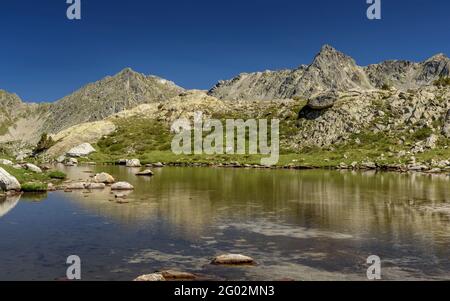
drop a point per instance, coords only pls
(323, 101)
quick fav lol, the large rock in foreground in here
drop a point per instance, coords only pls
(8, 182)
(233, 259)
(323, 101)
(81, 150)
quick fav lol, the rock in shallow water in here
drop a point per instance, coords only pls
(177, 275)
(151, 277)
(146, 172)
(233, 259)
(104, 178)
(122, 186)
(95, 186)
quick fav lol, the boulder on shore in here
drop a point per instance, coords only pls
(33, 168)
(122, 186)
(6, 162)
(133, 163)
(8, 182)
(233, 259)
(81, 150)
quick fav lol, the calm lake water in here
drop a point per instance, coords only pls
(301, 225)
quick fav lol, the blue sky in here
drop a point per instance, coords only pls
(44, 56)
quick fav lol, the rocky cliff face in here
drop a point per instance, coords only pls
(332, 70)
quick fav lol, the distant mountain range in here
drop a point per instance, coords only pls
(330, 70)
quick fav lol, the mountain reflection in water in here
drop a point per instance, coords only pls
(303, 225)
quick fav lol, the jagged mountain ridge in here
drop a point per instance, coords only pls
(331, 70)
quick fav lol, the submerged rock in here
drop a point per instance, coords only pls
(81, 150)
(156, 165)
(8, 182)
(122, 186)
(177, 275)
(233, 259)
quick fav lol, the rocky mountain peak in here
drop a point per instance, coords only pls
(329, 55)
(438, 57)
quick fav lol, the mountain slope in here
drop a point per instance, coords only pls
(332, 70)
(21, 121)
(108, 96)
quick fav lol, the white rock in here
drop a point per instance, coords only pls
(8, 182)
(233, 259)
(151, 277)
(122, 186)
(33, 168)
(6, 162)
(81, 150)
(133, 163)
